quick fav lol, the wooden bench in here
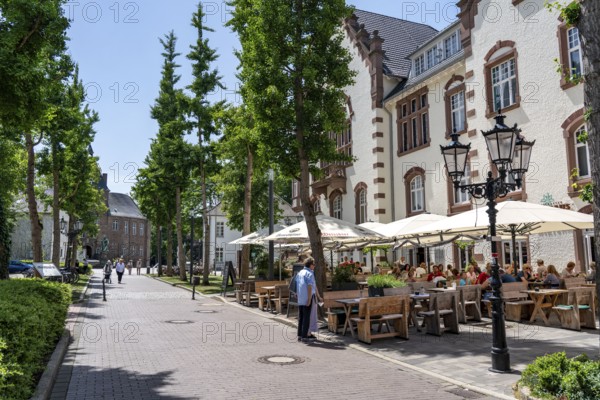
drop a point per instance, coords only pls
(580, 309)
(382, 311)
(469, 300)
(517, 304)
(570, 283)
(335, 311)
(442, 306)
(281, 297)
(397, 291)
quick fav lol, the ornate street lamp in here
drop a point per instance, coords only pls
(77, 227)
(510, 154)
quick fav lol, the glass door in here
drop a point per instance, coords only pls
(508, 254)
(590, 249)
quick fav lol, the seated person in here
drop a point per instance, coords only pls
(569, 272)
(436, 273)
(357, 268)
(525, 274)
(463, 279)
(377, 268)
(504, 278)
(591, 276)
(411, 275)
(484, 275)
(552, 277)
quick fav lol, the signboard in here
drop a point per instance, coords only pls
(47, 270)
(228, 272)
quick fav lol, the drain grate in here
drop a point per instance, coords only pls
(465, 394)
(179, 321)
(206, 311)
(281, 360)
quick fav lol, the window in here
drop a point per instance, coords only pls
(582, 155)
(417, 191)
(451, 45)
(220, 227)
(413, 129)
(133, 250)
(219, 254)
(424, 128)
(336, 205)
(460, 196)
(141, 251)
(361, 203)
(141, 229)
(115, 225)
(126, 227)
(123, 250)
(432, 57)
(457, 111)
(504, 85)
(133, 228)
(419, 64)
(574, 52)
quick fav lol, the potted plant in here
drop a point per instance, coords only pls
(343, 278)
(378, 282)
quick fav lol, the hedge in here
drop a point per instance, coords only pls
(32, 319)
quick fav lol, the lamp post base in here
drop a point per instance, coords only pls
(500, 363)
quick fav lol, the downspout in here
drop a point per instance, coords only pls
(392, 191)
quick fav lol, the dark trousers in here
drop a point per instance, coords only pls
(303, 320)
(120, 275)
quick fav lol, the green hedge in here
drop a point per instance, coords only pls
(32, 319)
(555, 376)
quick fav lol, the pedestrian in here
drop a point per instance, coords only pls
(307, 293)
(129, 266)
(120, 268)
(138, 266)
(107, 272)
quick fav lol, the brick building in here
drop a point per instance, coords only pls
(123, 230)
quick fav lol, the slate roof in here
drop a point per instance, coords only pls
(400, 37)
(121, 205)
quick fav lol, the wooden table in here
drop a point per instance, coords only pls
(442, 290)
(362, 285)
(348, 304)
(413, 313)
(270, 290)
(538, 297)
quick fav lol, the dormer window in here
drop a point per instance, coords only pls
(432, 57)
(451, 45)
(420, 65)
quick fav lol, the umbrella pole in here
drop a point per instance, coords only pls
(513, 236)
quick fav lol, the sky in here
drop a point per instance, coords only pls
(116, 44)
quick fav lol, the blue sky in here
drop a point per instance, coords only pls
(116, 46)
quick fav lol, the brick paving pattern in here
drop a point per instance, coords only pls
(126, 348)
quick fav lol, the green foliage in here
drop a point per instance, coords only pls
(261, 264)
(32, 318)
(570, 76)
(587, 114)
(342, 274)
(586, 192)
(384, 281)
(569, 12)
(556, 376)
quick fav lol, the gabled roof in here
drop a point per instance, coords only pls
(400, 37)
(121, 205)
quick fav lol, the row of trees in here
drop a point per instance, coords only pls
(46, 130)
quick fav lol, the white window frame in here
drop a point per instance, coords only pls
(115, 225)
(134, 228)
(337, 207)
(420, 64)
(504, 84)
(432, 57)
(141, 229)
(219, 254)
(126, 227)
(457, 111)
(451, 45)
(362, 206)
(220, 229)
(460, 196)
(574, 46)
(417, 192)
(579, 145)
(424, 128)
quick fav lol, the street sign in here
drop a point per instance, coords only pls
(47, 270)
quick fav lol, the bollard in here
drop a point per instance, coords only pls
(195, 281)
(103, 290)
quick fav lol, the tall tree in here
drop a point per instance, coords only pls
(173, 153)
(294, 89)
(205, 81)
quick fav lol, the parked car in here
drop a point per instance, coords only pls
(18, 267)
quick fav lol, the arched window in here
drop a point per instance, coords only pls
(578, 152)
(336, 205)
(501, 78)
(582, 154)
(417, 194)
(361, 204)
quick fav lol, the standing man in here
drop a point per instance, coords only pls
(138, 266)
(306, 289)
(120, 268)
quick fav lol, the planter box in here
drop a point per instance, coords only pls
(375, 292)
(344, 286)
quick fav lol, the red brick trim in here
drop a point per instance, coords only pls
(378, 180)
(378, 165)
(471, 113)
(378, 150)
(377, 135)
(379, 196)
(470, 94)
(499, 44)
(447, 103)
(469, 74)
(376, 120)
(472, 132)
(380, 211)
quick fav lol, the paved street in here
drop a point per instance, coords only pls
(151, 341)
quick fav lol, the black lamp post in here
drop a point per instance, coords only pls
(510, 154)
(271, 225)
(77, 227)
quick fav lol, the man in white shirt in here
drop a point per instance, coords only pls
(420, 271)
(120, 268)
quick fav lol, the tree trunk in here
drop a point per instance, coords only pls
(179, 228)
(34, 218)
(170, 248)
(245, 267)
(55, 209)
(4, 242)
(159, 249)
(206, 229)
(589, 31)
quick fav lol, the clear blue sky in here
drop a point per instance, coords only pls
(116, 46)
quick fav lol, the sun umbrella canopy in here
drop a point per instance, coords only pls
(257, 237)
(513, 216)
(332, 229)
(400, 227)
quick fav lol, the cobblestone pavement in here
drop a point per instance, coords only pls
(149, 340)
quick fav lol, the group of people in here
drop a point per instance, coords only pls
(119, 267)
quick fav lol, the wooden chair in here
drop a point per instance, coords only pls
(441, 306)
(248, 293)
(281, 297)
(335, 312)
(570, 283)
(416, 286)
(469, 303)
(382, 310)
(580, 309)
(517, 305)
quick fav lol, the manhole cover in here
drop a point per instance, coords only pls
(205, 311)
(281, 360)
(179, 321)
